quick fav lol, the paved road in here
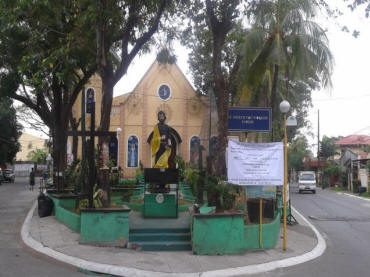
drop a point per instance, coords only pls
(345, 224)
(17, 260)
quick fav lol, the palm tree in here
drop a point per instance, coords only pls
(282, 46)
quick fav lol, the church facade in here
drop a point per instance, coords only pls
(162, 88)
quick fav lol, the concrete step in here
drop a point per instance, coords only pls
(161, 239)
(159, 230)
(165, 246)
(157, 237)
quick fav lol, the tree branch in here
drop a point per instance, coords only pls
(76, 91)
(45, 116)
(234, 71)
(121, 70)
(125, 36)
(211, 15)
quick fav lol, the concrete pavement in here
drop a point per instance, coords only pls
(50, 237)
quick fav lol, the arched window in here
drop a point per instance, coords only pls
(212, 146)
(194, 151)
(89, 99)
(113, 150)
(132, 151)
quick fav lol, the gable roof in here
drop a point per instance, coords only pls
(124, 97)
(120, 99)
(354, 140)
(155, 62)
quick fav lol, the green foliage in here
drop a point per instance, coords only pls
(47, 54)
(164, 57)
(328, 147)
(10, 131)
(181, 165)
(198, 37)
(114, 180)
(332, 170)
(83, 203)
(128, 185)
(98, 197)
(339, 189)
(332, 174)
(220, 193)
(285, 56)
(356, 184)
(73, 175)
(139, 176)
(37, 156)
(192, 179)
(297, 150)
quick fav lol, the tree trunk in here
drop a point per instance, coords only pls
(223, 107)
(273, 103)
(59, 155)
(74, 126)
(106, 106)
(222, 102)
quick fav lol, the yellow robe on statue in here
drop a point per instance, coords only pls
(155, 143)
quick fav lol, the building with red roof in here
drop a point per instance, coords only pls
(358, 144)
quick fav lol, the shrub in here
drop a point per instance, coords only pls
(220, 193)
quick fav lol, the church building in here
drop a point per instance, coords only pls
(162, 88)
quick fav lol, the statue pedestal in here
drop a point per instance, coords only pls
(159, 201)
(160, 205)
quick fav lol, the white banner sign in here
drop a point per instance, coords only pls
(363, 176)
(255, 164)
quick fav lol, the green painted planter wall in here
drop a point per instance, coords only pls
(62, 214)
(68, 218)
(270, 235)
(135, 207)
(132, 206)
(218, 234)
(65, 201)
(104, 225)
(165, 209)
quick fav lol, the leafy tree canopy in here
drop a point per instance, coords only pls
(297, 150)
(37, 156)
(47, 54)
(328, 148)
(10, 131)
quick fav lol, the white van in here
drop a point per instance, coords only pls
(307, 181)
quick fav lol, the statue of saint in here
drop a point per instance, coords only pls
(161, 143)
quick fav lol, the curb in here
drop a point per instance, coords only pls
(127, 271)
(354, 196)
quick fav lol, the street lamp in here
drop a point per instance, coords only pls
(119, 130)
(284, 108)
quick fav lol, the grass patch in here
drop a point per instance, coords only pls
(338, 189)
(365, 194)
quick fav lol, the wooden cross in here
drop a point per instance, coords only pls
(92, 133)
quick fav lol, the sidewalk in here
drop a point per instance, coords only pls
(48, 236)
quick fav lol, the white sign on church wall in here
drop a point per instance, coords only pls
(255, 164)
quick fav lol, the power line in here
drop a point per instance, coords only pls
(342, 98)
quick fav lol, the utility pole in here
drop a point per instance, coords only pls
(318, 146)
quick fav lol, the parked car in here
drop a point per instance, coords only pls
(1, 176)
(9, 175)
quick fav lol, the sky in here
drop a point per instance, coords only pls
(344, 109)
